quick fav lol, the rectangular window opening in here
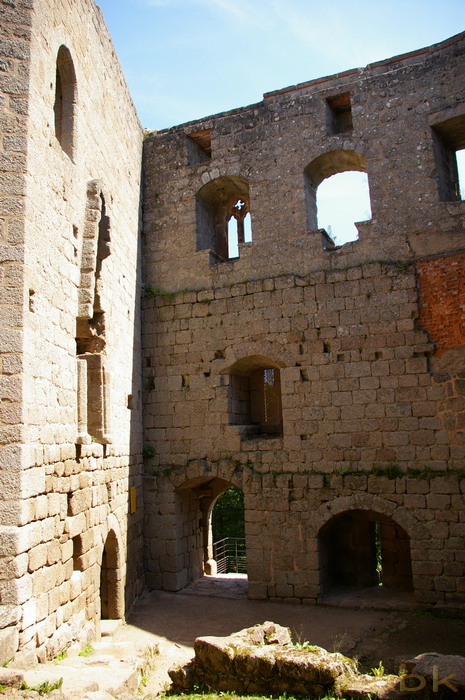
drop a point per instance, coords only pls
(339, 114)
(449, 152)
(77, 553)
(199, 146)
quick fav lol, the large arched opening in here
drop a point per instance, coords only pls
(364, 549)
(337, 194)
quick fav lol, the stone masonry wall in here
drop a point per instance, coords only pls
(15, 28)
(394, 105)
(372, 412)
(73, 505)
(360, 409)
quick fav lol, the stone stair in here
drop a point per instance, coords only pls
(109, 669)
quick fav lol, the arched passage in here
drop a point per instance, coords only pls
(195, 501)
(364, 548)
(111, 597)
(228, 532)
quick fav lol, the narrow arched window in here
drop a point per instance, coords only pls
(65, 101)
(223, 217)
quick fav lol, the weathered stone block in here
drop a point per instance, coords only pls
(9, 640)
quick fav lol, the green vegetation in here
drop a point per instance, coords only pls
(378, 670)
(228, 515)
(155, 292)
(43, 688)
(148, 451)
(306, 645)
(392, 471)
(166, 471)
(148, 664)
(87, 650)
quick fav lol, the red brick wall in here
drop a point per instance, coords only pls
(442, 300)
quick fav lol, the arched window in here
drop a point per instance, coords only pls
(255, 396)
(65, 101)
(223, 217)
(337, 194)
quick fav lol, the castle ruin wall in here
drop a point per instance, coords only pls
(366, 338)
(68, 532)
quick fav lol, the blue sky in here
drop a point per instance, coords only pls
(187, 59)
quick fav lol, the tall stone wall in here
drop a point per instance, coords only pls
(74, 538)
(362, 337)
(15, 29)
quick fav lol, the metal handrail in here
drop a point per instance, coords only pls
(230, 555)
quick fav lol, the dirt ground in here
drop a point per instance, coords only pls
(209, 607)
(367, 625)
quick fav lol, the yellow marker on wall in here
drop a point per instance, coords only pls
(132, 499)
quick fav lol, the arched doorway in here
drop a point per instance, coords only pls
(196, 499)
(362, 549)
(111, 599)
(228, 532)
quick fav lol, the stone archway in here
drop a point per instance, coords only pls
(356, 535)
(195, 500)
(180, 549)
(111, 575)
(361, 549)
